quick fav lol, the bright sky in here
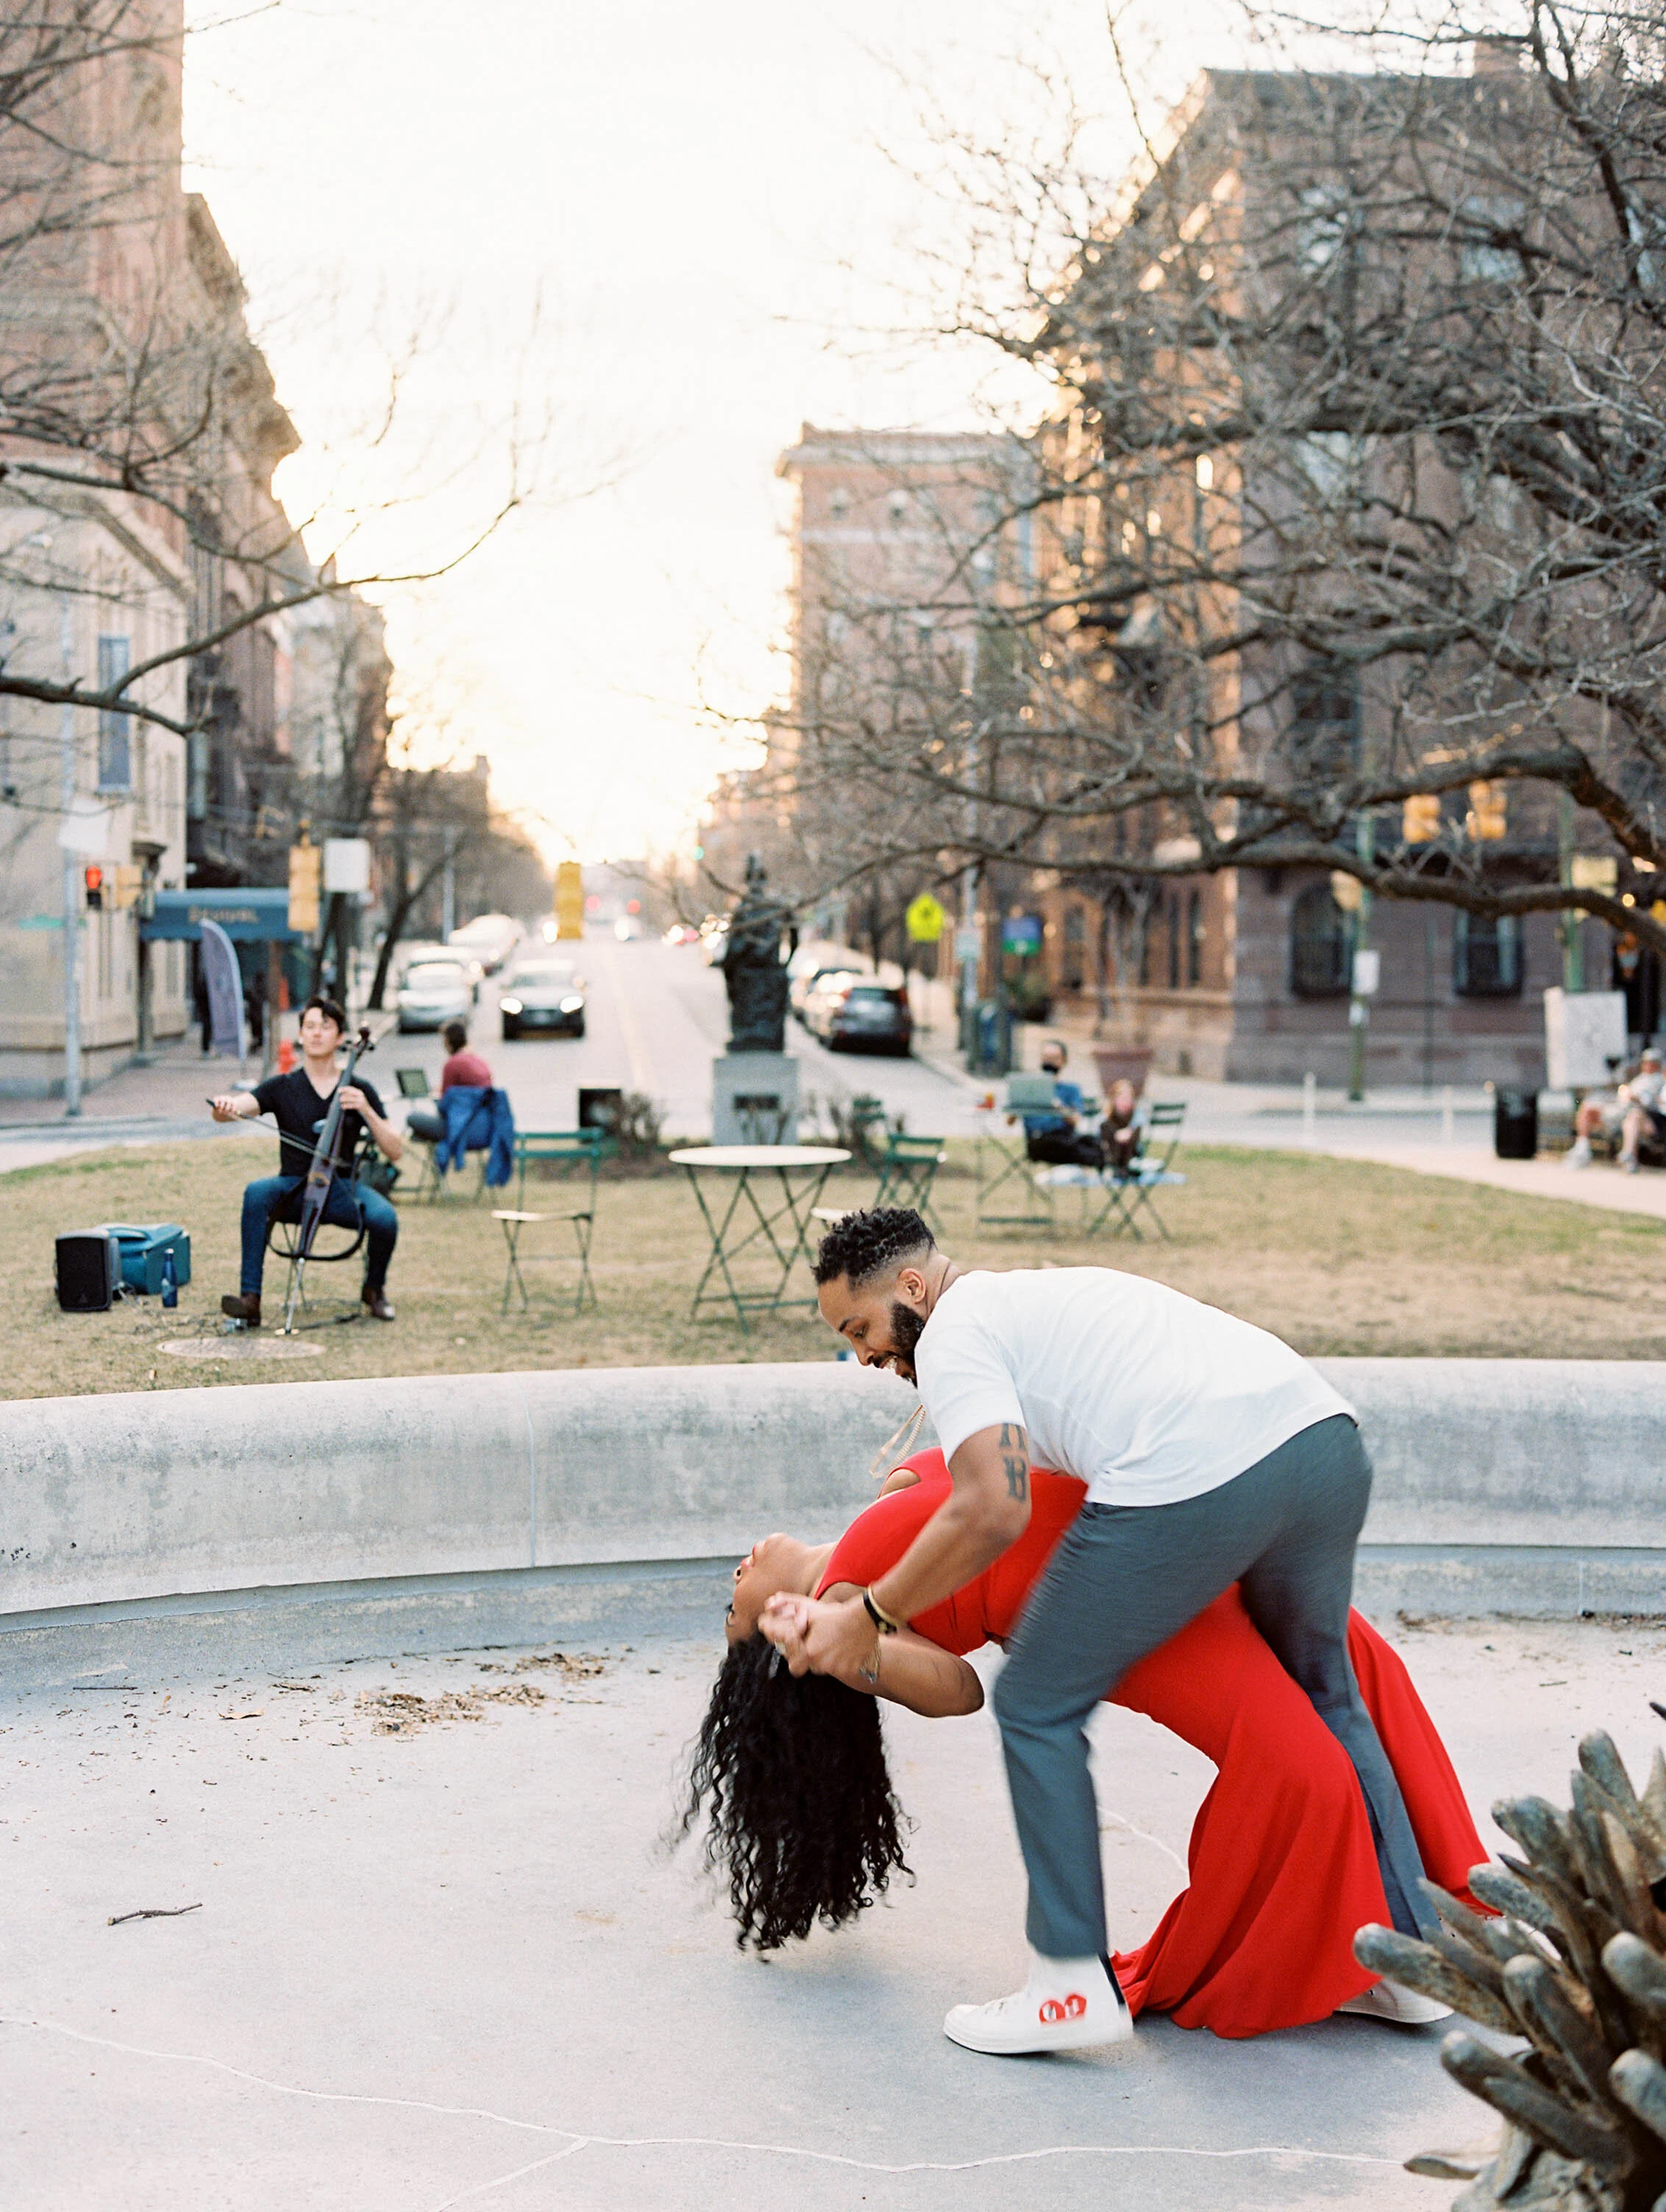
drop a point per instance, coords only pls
(639, 225)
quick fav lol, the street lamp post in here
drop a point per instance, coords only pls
(72, 877)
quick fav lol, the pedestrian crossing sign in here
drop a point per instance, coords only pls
(925, 918)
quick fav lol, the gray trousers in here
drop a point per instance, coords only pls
(1124, 1580)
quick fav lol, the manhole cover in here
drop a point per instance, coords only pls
(241, 1347)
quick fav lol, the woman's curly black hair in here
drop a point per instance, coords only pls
(802, 1817)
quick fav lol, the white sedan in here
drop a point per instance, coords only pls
(433, 992)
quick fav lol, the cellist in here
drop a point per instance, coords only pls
(300, 1104)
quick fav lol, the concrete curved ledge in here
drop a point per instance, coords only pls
(503, 1500)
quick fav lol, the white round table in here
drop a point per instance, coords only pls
(802, 1170)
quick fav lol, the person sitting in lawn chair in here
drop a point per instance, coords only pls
(1054, 1133)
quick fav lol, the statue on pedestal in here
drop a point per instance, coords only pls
(755, 965)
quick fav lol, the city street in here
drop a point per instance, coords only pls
(658, 1017)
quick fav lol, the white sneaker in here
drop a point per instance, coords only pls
(1066, 2004)
(1627, 1166)
(1581, 1156)
(1393, 2001)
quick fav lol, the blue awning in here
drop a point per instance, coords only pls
(260, 917)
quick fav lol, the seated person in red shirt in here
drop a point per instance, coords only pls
(462, 1070)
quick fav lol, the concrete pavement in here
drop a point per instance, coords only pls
(454, 1965)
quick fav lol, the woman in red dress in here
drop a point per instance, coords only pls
(1282, 1869)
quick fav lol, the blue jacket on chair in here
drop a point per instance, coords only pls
(478, 1120)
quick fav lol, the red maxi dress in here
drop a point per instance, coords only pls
(1282, 1869)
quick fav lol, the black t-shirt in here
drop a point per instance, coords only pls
(299, 1112)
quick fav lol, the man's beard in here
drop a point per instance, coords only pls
(907, 1328)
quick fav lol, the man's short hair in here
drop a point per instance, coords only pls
(1058, 1045)
(331, 1010)
(456, 1035)
(864, 1246)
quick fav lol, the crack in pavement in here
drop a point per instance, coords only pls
(582, 2141)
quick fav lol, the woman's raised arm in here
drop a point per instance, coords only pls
(908, 1670)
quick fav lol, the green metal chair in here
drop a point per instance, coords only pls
(413, 1085)
(1128, 1194)
(570, 1158)
(1005, 1169)
(908, 1168)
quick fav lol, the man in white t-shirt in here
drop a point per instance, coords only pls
(1211, 1453)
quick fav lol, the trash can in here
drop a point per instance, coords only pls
(1515, 1125)
(994, 1038)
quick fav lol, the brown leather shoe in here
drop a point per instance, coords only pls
(378, 1304)
(244, 1307)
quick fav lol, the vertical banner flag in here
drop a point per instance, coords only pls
(223, 983)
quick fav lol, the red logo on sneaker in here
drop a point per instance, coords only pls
(1055, 2010)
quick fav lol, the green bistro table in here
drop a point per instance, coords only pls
(780, 1224)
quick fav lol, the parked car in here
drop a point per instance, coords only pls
(490, 938)
(846, 1010)
(812, 964)
(433, 992)
(627, 929)
(415, 955)
(544, 995)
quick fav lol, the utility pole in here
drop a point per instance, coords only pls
(1359, 1000)
(448, 890)
(1569, 922)
(72, 877)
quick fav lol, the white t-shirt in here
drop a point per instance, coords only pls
(1145, 1394)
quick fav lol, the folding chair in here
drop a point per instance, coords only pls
(283, 1237)
(413, 1084)
(570, 1154)
(1011, 1163)
(1129, 1193)
(907, 1170)
(482, 1154)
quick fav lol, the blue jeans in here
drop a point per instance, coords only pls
(348, 1203)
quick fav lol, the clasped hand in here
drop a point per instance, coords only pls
(815, 1637)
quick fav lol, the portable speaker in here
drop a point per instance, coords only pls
(88, 1269)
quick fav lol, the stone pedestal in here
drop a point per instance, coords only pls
(755, 1098)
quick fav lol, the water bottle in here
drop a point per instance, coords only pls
(170, 1279)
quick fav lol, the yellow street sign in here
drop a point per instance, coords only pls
(925, 919)
(305, 872)
(569, 899)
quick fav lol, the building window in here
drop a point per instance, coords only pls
(1487, 956)
(1195, 939)
(1320, 941)
(1172, 918)
(1324, 719)
(115, 728)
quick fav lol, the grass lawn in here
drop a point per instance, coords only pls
(1334, 1255)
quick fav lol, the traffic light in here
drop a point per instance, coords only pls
(1420, 818)
(569, 899)
(1486, 820)
(94, 877)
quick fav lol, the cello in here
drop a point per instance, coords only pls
(320, 1177)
